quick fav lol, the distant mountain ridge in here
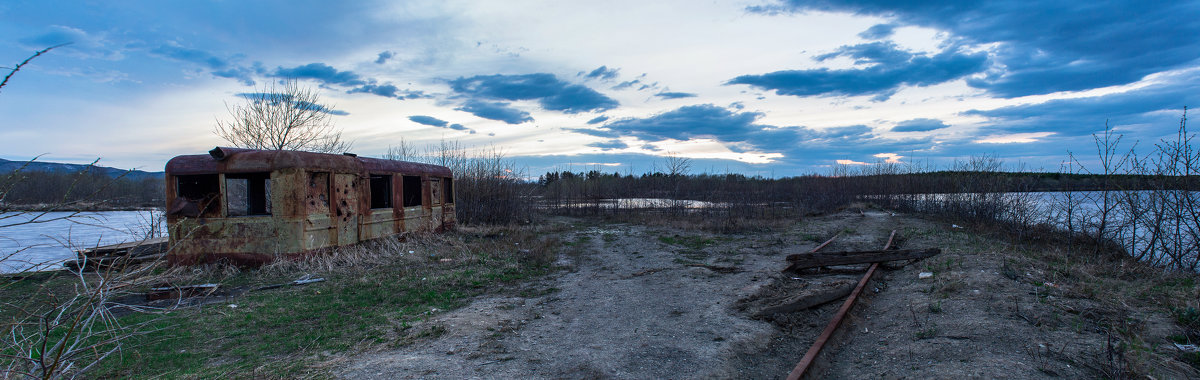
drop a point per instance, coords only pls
(7, 166)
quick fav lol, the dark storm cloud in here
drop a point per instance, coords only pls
(428, 120)
(219, 67)
(384, 57)
(1158, 106)
(741, 133)
(1046, 46)
(878, 32)
(919, 125)
(891, 69)
(688, 122)
(550, 92)
(279, 97)
(594, 132)
(495, 111)
(609, 145)
(435, 122)
(385, 90)
(626, 84)
(675, 95)
(322, 73)
(389, 91)
(603, 73)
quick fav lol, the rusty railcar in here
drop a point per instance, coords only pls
(253, 206)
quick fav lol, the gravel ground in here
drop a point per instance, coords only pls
(650, 302)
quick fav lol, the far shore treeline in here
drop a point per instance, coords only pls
(99, 188)
(83, 188)
(937, 182)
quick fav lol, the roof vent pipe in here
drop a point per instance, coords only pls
(221, 153)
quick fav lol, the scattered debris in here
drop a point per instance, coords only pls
(813, 260)
(307, 279)
(925, 275)
(1187, 347)
(186, 291)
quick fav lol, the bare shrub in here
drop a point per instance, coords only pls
(489, 188)
(1156, 219)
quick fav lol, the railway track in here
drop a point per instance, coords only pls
(811, 355)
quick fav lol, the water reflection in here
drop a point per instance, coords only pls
(41, 246)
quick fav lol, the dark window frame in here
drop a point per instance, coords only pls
(381, 191)
(412, 191)
(202, 191)
(257, 195)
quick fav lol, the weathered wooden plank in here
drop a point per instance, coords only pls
(807, 301)
(813, 260)
(134, 248)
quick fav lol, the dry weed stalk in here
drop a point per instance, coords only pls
(57, 334)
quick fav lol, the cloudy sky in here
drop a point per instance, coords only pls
(764, 87)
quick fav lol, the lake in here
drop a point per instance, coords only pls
(41, 246)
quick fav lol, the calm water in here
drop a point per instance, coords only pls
(47, 245)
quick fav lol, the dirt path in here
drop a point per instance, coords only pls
(629, 308)
(654, 302)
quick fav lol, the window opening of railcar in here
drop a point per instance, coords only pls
(381, 191)
(198, 195)
(248, 194)
(435, 191)
(317, 198)
(448, 190)
(412, 191)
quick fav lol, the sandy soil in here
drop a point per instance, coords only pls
(642, 302)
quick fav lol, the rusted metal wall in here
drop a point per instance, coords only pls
(318, 201)
(319, 228)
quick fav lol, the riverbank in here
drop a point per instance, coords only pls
(647, 298)
(78, 207)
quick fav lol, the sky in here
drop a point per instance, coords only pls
(762, 87)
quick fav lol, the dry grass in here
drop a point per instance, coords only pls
(373, 296)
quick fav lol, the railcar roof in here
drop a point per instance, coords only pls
(238, 160)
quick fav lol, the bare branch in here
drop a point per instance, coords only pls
(26, 61)
(282, 116)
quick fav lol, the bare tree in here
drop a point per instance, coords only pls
(401, 152)
(677, 165)
(282, 116)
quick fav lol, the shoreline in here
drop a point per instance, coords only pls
(73, 208)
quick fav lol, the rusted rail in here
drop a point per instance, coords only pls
(811, 355)
(818, 248)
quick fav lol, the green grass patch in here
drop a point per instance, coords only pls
(689, 242)
(288, 332)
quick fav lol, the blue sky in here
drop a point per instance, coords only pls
(764, 87)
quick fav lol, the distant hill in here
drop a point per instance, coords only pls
(7, 166)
